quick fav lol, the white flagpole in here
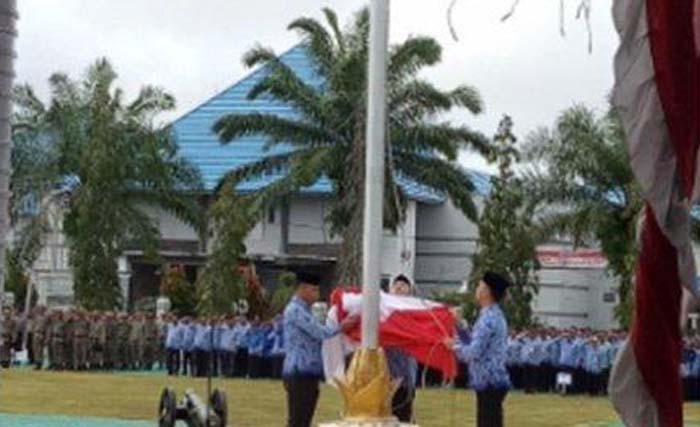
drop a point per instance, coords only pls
(374, 171)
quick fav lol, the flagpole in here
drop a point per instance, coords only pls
(374, 171)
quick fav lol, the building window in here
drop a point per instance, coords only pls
(271, 216)
(609, 297)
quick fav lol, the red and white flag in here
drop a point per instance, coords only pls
(416, 326)
(657, 93)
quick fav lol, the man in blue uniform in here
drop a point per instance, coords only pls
(173, 345)
(202, 347)
(189, 330)
(241, 333)
(303, 366)
(486, 352)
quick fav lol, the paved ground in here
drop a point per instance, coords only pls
(109, 398)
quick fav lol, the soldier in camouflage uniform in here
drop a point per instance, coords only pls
(112, 342)
(137, 338)
(151, 345)
(80, 335)
(9, 335)
(39, 329)
(57, 335)
(67, 355)
(122, 353)
(98, 340)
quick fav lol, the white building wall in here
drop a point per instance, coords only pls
(307, 224)
(171, 227)
(446, 241)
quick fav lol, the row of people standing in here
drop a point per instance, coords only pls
(226, 346)
(80, 340)
(536, 357)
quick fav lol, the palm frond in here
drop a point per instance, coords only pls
(332, 20)
(467, 97)
(319, 41)
(274, 164)
(443, 176)
(277, 129)
(150, 101)
(258, 55)
(410, 56)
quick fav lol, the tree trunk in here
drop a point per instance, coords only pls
(349, 266)
(8, 32)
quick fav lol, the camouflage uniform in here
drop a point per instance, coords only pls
(9, 335)
(67, 355)
(151, 347)
(98, 340)
(112, 342)
(80, 336)
(39, 329)
(57, 338)
(122, 341)
(137, 338)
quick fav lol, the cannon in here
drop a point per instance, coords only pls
(192, 410)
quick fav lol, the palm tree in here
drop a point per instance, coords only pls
(581, 166)
(110, 161)
(327, 139)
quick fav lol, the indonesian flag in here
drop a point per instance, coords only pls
(657, 93)
(416, 326)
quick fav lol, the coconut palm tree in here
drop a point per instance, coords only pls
(581, 166)
(327, 138)
(109, 160)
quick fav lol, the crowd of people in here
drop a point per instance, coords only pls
(232, 346)
(229, 346)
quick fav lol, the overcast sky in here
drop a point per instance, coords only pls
(193, 48)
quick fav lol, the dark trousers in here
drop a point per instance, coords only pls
(516, 376)
(203, 362)
(489, 407)
(188, 363)
(226, 363)
(255, 366)
(402, 404)
(277, 364)
(173, 362)
(240, 368)
(302, 397)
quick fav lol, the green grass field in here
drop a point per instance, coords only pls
(261, 403)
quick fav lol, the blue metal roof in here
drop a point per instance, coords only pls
(200, 146)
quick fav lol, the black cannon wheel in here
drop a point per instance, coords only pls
(220, 407)
(167, 408)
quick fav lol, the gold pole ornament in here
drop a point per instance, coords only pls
(368, 388)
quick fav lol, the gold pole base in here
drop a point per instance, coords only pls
(368, 389)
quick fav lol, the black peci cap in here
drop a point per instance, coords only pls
(308, 279)
(497, 283)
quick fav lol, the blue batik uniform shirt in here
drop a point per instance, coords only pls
(303, 336)
(487, 351)
(174, 336)
(189, 331)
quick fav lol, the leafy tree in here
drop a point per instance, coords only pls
(327, 138)
(284, 292)
(220, 283)
(508, 234)
(111, 160)
(581, 166)
(182, 293)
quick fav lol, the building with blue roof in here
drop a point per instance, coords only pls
(433, 247)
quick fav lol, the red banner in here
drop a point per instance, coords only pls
(583, 258)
